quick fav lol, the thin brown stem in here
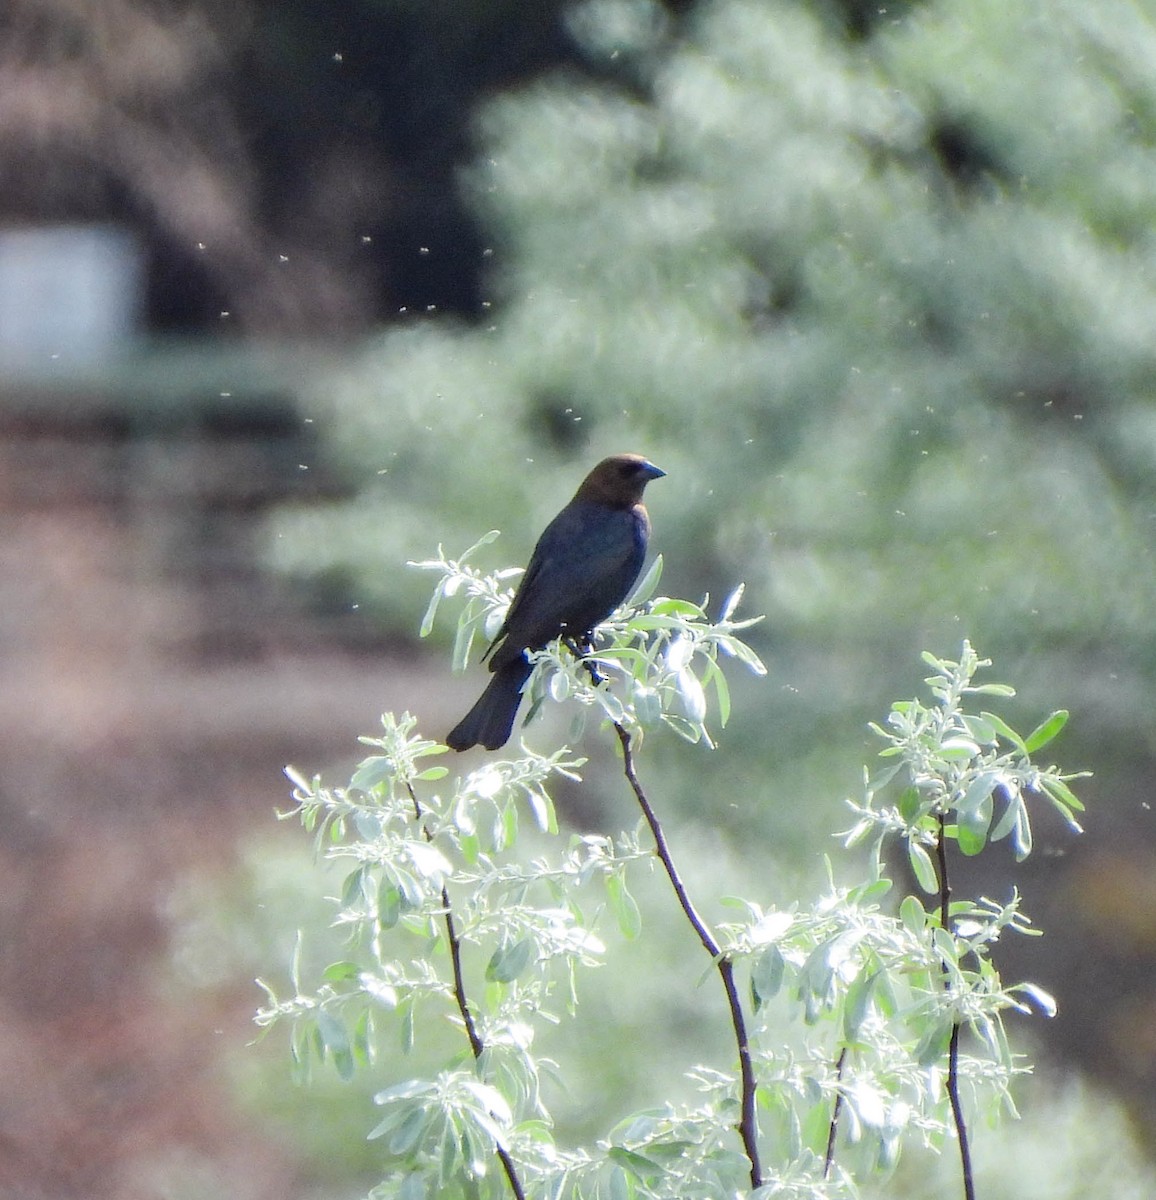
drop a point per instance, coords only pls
(748, 1125)
(829, 1160)
(476, 1043)
(953, 1045)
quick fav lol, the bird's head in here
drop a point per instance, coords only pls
(619, 481)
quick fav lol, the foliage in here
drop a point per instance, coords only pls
(448, 918)
(888, 295)
(876, 300)
(652, 652)
(1072, 1141)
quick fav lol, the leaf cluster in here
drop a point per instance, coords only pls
(967, 773)
(663, 652)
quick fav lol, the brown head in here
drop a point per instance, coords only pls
(618, 481)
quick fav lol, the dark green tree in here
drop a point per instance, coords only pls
(879, 297)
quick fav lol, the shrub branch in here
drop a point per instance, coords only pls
(747, 1126)
(836, 1112)
(476, 1044)
(953, 1045)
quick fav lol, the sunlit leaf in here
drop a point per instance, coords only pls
(678, 654)
(913, 914)
(669, 607)
(722, 694)
(409, 1132)
(910, 804)
(509, 960)
(335, 1038)
(625, 908)
(389, 905)
(1044, 1001)
(731, 603)
(372, 771)
(1045, 732)
(932, 1046)
(1008, 819)
(1004, 730)
(693, 697)
(992, 689)
(463, 640)
(857, 1005)
(384, 993)
(430, 862)
(646, 584)
(647, 705)
(973, 823)
(427, 621)
(559, 686)
(1022, 833)
(638, 1165)
(958, 747)
(1063, 797)
(922, 867)
(767, 975)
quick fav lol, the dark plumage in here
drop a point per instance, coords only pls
(584, 564)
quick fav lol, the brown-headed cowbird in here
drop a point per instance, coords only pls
(582, 568)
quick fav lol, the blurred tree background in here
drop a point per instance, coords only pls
(876, 288)
(874, 284)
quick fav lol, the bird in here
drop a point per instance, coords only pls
(580, 571)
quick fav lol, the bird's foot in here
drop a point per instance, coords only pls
(581, 648)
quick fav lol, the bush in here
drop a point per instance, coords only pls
(860, 1023)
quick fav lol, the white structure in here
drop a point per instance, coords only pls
(69, 295)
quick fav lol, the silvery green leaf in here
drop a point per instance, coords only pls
(693, 697)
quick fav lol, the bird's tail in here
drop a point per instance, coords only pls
(491, 719)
